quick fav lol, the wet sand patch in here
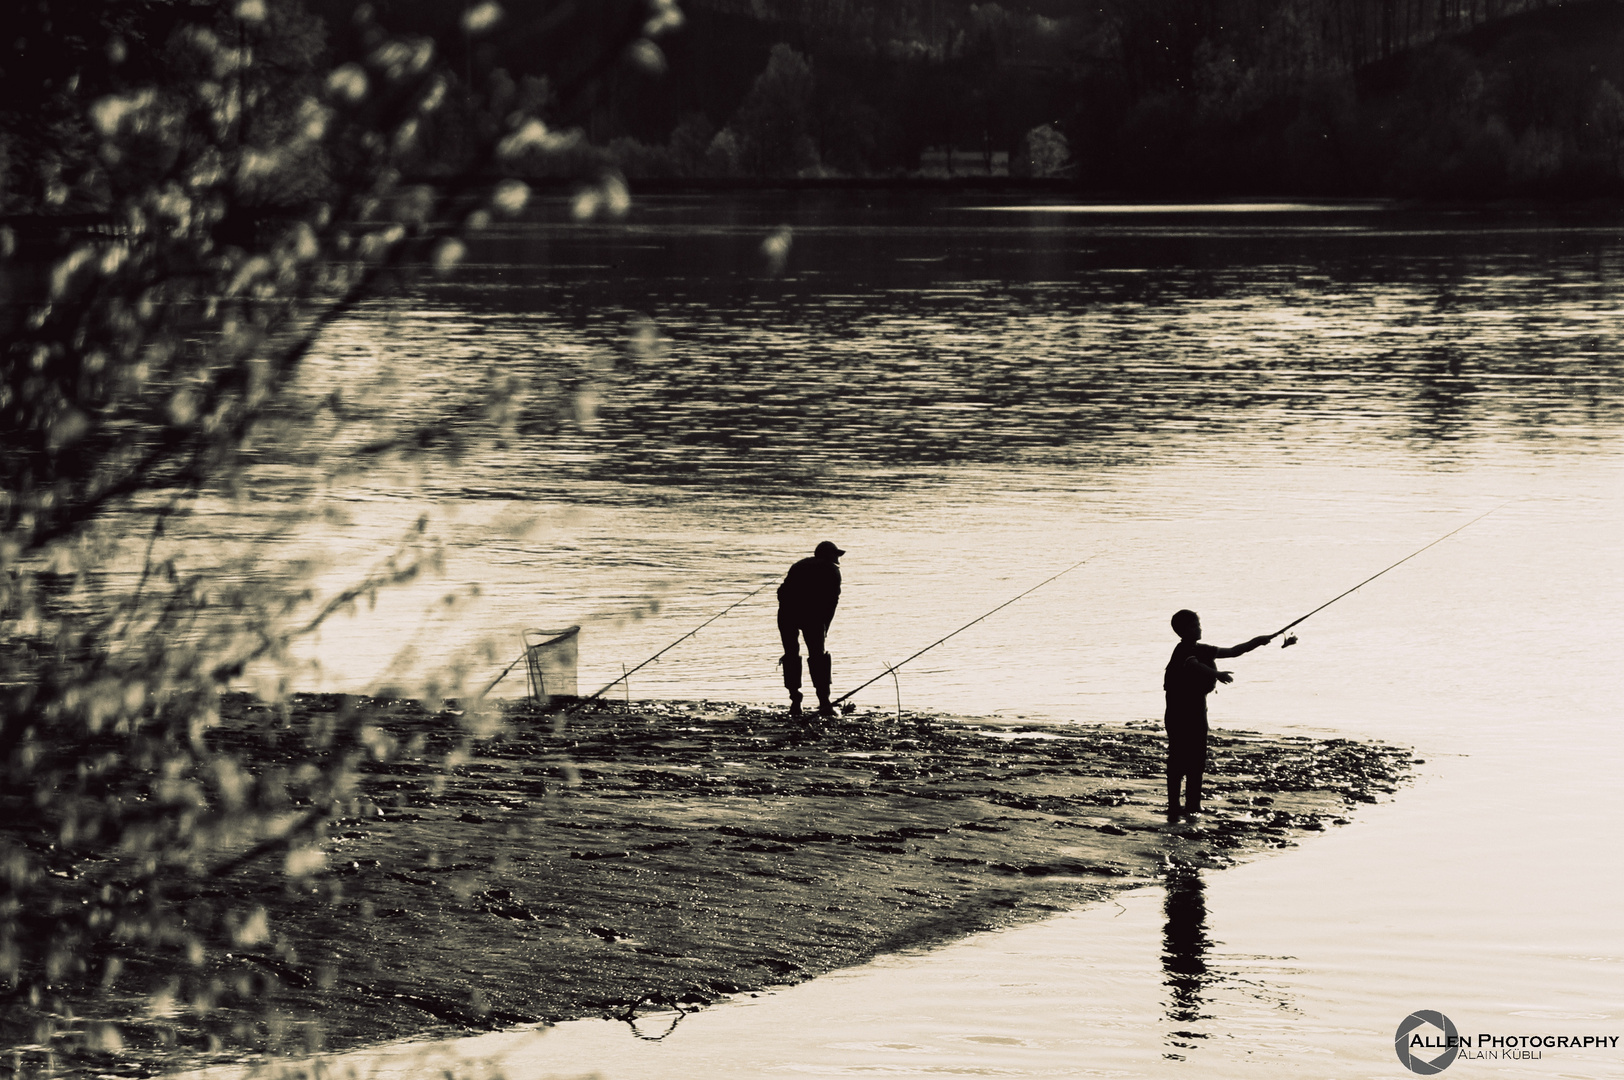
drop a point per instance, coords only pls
(625, 859)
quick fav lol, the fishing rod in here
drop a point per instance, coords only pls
(1292, 640)
(650, 660)
(891, 668)
(627, 674)
(502, 676)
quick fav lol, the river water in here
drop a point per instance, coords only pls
(1244, 410)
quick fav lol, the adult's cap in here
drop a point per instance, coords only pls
(826, 550)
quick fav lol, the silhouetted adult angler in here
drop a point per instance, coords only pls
(806, 605)
(1191, 675)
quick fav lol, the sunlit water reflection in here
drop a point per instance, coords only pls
(1245, 414)
(902, 339)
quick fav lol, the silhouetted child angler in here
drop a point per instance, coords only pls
(1191, 675)
(806, 605)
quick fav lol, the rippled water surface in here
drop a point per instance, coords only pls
(1244, 412)
(903, 338)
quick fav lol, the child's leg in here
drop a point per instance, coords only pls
(1176, 754)
(1179, 771)
(1194, 767)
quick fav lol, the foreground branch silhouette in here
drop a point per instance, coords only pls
(194, 194)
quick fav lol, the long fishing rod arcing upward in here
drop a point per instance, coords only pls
(893, 667)
(1292, 640)
(627, 674)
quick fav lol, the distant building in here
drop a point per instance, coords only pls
(947, 161)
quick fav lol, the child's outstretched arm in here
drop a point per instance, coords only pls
(1247, 646)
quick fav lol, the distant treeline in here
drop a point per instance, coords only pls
(1350, 32)
(1463, 98)
(1525, 105)
(1438, 98)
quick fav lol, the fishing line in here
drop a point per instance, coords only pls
(500, 677)
(1290, 641)
(891, 668)
(625, 675)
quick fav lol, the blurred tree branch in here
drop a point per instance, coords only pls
(195, 192)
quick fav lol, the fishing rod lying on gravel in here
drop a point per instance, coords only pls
(627, 674)
(893, 667)
(1292, 640)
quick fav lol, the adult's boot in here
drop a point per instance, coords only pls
(792, 682)
(820, 667)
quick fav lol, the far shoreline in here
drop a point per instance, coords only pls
(1578, 202)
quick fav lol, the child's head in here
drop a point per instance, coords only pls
(1187, 625)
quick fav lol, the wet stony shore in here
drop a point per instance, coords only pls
(618, 859)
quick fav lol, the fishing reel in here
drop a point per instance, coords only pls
(1291, 639)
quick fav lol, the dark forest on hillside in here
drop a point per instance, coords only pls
(1429, 98)
(1432, 98)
